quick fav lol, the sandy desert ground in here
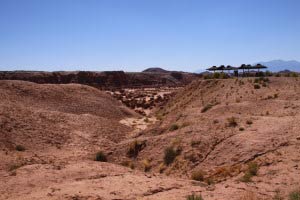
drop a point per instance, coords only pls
(224, 139)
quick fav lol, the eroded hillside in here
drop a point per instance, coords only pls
(217, 128)
(237, 138)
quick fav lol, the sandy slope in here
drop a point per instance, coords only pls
(62, 126)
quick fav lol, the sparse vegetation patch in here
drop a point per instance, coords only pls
(134, 148)
(101, 157)
(294, 195)
(194, 197)
(251, 171)
(20, 148)
(232, 122)
(198, 175)
(207, 107)
(170, 154)
(256, 86)
(173, 127)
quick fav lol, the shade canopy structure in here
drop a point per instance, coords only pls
(259, 66)
(230, 68)
(213, 68)
(242, 67)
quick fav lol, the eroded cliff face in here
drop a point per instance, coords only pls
(103, 80)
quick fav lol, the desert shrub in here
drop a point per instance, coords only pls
(170, 155)
(268, 73)
(14, 166)
(260, 74)
(294, 74)
(173, 127)
(241, 128)
(264, 84)
(277, 75)
(249, 196)
(128, 164)
(162, 168)
(216, 75)
(215, 121)
(206, 107)
(146, 164)
(207, 76)
(246, 178)
(146, 120)
(253, 168)
(223, 76)
(198, 175)
(185, 124)
(100, 156)
(249, 122)
(20, 148)
(266, 80)
(256, 86)
(251, 171)
(194, 197)
(232, 122)
(134, 148)
(275, 96)
(209, 181)
(287, 75)
(294, 195)
(195, 142)
(277, 195)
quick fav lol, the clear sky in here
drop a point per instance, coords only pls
(132, 35)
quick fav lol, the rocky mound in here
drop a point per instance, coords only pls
(156, 70)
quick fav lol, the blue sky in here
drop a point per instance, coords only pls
(132, 35)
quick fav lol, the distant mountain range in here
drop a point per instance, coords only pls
(281, 65)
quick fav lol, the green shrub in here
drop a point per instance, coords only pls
(295, 195)
(170, 155)
(101, 157)
(173, 127)
(194, 197)
(198, 175)
(20, 148)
